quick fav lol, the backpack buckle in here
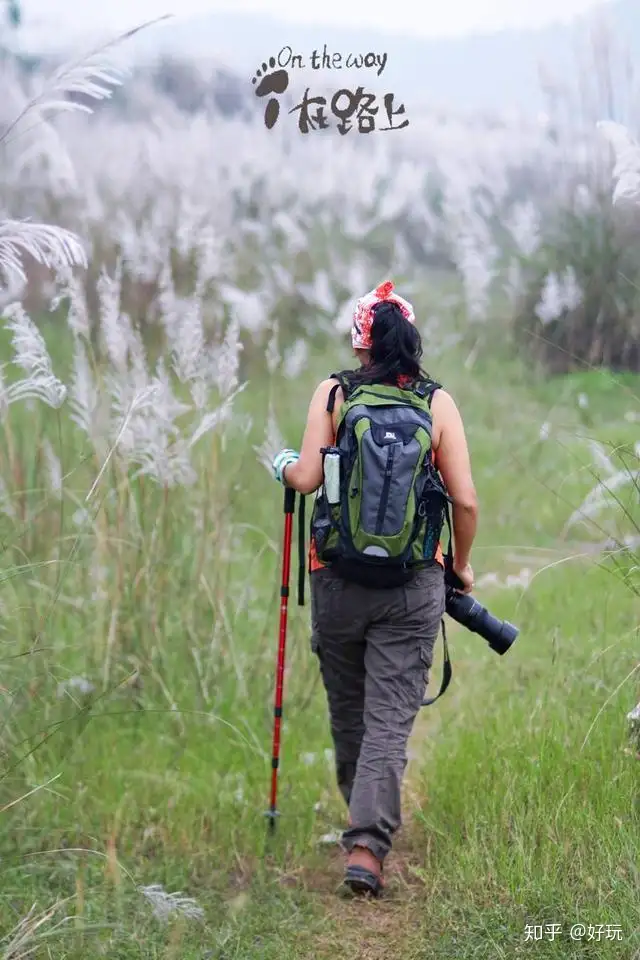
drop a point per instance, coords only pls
(421, 389)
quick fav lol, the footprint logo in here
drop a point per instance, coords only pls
(271, 81)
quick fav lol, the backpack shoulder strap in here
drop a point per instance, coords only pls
(342, 383)
(425, 389)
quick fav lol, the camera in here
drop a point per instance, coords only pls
(465, 610)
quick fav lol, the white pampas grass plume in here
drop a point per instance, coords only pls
(559, 293)
(272, 444)
(31, 354)
(29, 935)
(84, 400)
(164, 904)
(600, 458)
(53, 466)
(93, 76)
(626, 172)
(71, 289)
(226, 360)
(272, 353)
(51, 246)
(601, 496)
(524, 227)
(214, 418)
(295, 359)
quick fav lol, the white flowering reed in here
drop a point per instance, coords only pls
(559, 294)
(32, 356)
(626, 172)
(32, 931)
(166, 904)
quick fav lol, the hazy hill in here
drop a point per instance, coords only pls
(497, 71)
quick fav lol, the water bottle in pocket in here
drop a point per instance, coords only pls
(331, 471)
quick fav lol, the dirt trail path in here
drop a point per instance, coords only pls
(388, 928)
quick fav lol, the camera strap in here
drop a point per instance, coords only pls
(447, 670)
(449, 554)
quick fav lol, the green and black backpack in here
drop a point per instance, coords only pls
(392, 502)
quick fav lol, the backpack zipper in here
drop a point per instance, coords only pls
(384, 496)
(426, 414)
(365, 416)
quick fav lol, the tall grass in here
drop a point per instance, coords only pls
(136, 734)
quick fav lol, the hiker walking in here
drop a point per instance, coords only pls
(383, 445)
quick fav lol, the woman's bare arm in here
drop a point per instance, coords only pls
(305, 475)
(453, 462)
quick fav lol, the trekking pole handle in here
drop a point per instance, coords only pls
(289, 500)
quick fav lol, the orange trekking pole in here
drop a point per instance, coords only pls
(289, 508)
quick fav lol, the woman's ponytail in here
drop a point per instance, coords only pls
(396, 347)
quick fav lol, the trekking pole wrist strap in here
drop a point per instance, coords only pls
(282, 460)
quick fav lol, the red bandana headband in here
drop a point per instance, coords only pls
(363, 316)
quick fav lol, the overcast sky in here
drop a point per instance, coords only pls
(80, 19)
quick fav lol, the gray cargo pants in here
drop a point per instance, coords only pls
(375, 649)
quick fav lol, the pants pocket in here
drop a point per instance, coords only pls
(315, 626)
(326, 589)
(427, 647)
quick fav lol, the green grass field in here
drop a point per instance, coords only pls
(521, 801)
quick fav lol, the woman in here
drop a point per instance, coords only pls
(375, 646)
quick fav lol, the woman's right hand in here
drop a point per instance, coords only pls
(465, 573)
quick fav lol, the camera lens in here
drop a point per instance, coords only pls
(502, 640)
(499, 634)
